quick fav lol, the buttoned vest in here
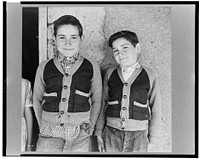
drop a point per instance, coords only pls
(81, 81)
(138, 100)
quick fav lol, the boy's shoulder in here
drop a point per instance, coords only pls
(26, 84)
(25, 81)
(93, 62)
(87, 58)
(110, 69)
(43, 63)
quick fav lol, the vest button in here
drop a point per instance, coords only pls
(123, 108)
(123, 119)
(126, 84)
(124, 96)
(65, 86)
(62, 112)
(62, 124)
(63, 99)
(66, 74)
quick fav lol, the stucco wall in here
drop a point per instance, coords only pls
(153, 27)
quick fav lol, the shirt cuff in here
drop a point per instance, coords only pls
(97, 133)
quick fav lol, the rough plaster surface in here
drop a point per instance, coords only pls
(153, 27)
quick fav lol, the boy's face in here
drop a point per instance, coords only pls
(124, 52)
(67, 40)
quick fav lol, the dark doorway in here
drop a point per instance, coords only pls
(30, 56)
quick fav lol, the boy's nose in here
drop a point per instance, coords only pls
(121, 53)
(67, 42)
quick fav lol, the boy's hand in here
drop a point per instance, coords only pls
(87, 128)
(100, 144)
(29, 148)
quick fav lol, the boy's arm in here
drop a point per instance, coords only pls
(29, 123)
(155, 105)
(96, 93)
(38, 92)
(28, 116)
(102, 118)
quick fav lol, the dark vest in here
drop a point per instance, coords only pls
(138, 92)
(81, 80)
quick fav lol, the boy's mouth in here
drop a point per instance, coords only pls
(122, 59)
(67, 49)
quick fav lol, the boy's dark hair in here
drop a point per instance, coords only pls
(68, 19)
(128, 35)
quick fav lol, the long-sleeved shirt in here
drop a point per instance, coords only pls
(154, 102)
(63, 116)
(27, 103)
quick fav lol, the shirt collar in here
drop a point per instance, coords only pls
(131, 68)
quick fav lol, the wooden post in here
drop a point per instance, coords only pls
(42, 34)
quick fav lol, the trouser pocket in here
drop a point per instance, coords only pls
(47, 143)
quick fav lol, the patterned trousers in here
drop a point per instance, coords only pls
(57, 144)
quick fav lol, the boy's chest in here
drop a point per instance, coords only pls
(137, 89)
(54, 79)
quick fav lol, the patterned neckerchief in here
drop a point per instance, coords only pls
(67, 62)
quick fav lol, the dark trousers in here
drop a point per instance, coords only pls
(125, 141)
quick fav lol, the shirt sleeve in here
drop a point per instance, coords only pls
(38, 91)
(28, 98)
(155, 105)
(102, 118)
(96, 93)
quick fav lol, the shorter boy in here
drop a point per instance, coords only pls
(131, 105)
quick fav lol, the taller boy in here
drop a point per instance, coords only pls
(67, 92)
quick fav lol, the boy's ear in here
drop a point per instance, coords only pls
(138, 48)
(83, 36)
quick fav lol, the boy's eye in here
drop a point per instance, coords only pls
(61, 37)
(74, 37)
(125, 47)
(115, 52)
